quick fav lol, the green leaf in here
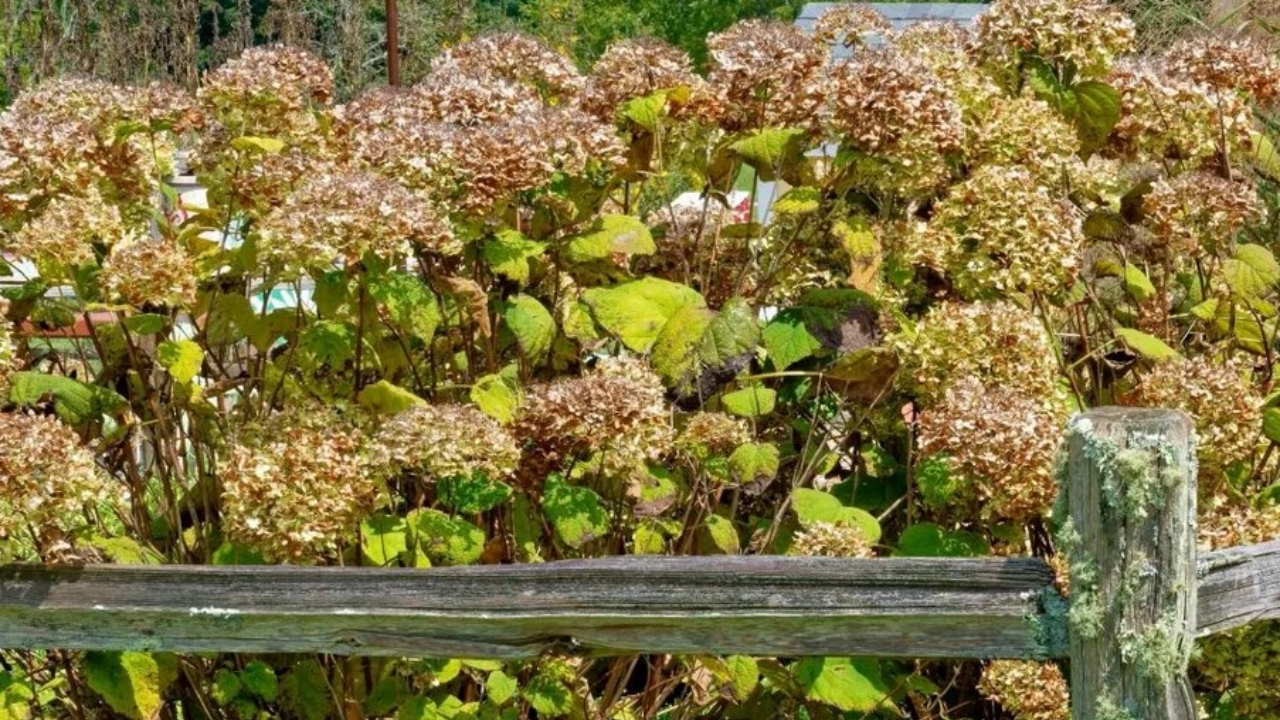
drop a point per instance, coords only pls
(635, 312)
(675, 356)
(446, 540)
(936, 481)
(73, 401)
(1094, 110)
(1271, 424)
(384, 540)
(1265, 157)
(386, 695)
(16, 697)
(721, 535)
(126, 551)
(549, 696)
(532, 325)
(611, 235)
(815, 506)
(696, 339)
(1207, 310)
(229, 553)
(1252, 271)
(131, 683)
(408, 303)
(266, 145)
(647, 111)
(470, 495)
(650, 537)
(1137, 284)
(385, 398)
(508, 252)
(231, 319)
(182, 358)
(772, 150)
(226, 686)
(733, 332)
(755, 464)
(799, 201)
(744, 675)
(259, 679)
(751, 401)
(1148, 346)
(1107, 226)
(330, 293)
(930, 540)
(495, 398)
(788, 341)
(304, 691)
(848, 685)
(500, 687)
(577, 514)
(146, 324)
(328, 343)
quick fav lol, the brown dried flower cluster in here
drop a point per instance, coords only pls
(1167, 118)
(263, 82)
(767, 74)
(849, 25)
(343, 216)
(64, 234)
(475, 97)
(1001, 231)
(47, 479)
(1220, 398)
(1240, 63)
(1086, 33)
(1027, 132)
(823, 539)
(296, 486)
(1004, 443)
(445, 441)
(944, 47)
(638, 67)
(145, 271)
(713, 434)
(1199, 213)
(1028, 689)
(618, 411)
(998, 343)
(1227, 523)
(517, 57)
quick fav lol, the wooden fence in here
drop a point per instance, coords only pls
(1139, 595)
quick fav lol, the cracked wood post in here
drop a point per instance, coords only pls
(1130, 540)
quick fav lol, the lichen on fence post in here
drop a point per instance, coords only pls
(1129, 536)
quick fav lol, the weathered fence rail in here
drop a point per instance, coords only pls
(1141, 595)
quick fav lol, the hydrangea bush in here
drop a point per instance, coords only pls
(531, 322)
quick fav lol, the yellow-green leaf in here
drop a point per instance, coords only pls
(495, 398)
(266, 145)
(131, 683)
(611, 235)
(1148, 346)
(751, 401)
(1252, 271)
(532, 324)
(848, 685)
(182, 358)
(799, 201)
(385, 398)
(635, 312)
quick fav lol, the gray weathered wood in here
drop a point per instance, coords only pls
(786, 606)
(1131, 490)
(1238, 586)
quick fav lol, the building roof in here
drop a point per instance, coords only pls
(900, 15)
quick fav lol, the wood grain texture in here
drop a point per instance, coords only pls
(1131, 499)
(1238, 586)
(777, 606)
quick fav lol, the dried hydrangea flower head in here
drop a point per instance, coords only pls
(1002, 443)
(849, 25)
(1222, 400)
(1024, 131)
(767, 73)
(266, 80)
(1164, 118)
(1198, 213)
(945, 48)
(712, 434)
(618, 410)
(469, 96)
(446, 441)
(823, 539)
(1227, 64)
(345, 215)
(998, 343)
(296, 485)
(1028, 689)
(143, 271)
(1088, 34)
(517, 57)
(47, 479)
(638, 67)
(1001, 231)
(62, 237)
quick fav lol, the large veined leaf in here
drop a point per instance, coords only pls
(1265, 157)
(385, 398)
(635, 312)
(751, 401)
(508, 254)
(930, 540)
(721, 536)
(532, 324)
(772, 151)
(799, 201)
(1094, 110)
(471, 495)
(611, 235)
(696, 340)
(182, 358)
(577, 514)
(815, 506)
(755, 465)
(407, 302)
(1252, 271)
(446, 540)
(304, 691)
(132, 683)
(646, 111)
(495, 397)
(500, 687)
(845, 684)
(788, 340)
(384, 539)
(1148, 346)
(74, 402)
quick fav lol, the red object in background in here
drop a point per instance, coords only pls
(78, 329)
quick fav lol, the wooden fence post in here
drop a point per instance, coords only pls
(1131, 542)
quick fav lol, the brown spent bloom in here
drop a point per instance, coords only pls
(691, 237)
(713, 434)
(144, 271)
(1003, 442)
(849, 25)
(345, 215)
(1199, 213)
(1226, 64)
(638, 67)
(1227, 522)
(1225, 405)
(446, 441)
(618, 410)
(297, 485)
(517, 57)
(883, 96)
(1029, 690)
(273, 78)
(47, 479)
(66, 231)
(477, 96)
(997, 343)
(1024, 131)
(767, 73)
(1089, 34)
(944, 46)
(822, 539)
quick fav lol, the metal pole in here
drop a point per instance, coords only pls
(393, 44)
